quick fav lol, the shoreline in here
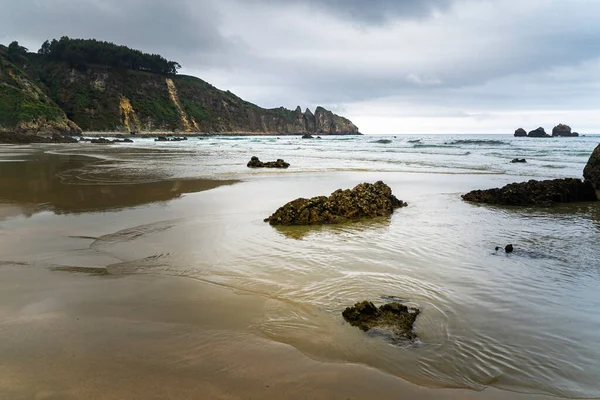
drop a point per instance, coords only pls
(202, 134)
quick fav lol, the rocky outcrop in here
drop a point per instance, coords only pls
(105, 99)
(109, 141)
(564, 131)
(591, 172)
(536, 193)
(518, 160)
(520, 132)
(256, 163)
(364, 201)
(539, 132)
(307, 136)
(394, 320)
(328, 123)
(22, 138)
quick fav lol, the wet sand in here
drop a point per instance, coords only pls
(73, 335)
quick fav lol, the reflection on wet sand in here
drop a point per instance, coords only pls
(63, 337)
(40, 181)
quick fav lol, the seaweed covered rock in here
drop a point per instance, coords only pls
(591, 172)
(394, 320)
(536, 193)
(520, 132)
(256, 163)
(366, 200)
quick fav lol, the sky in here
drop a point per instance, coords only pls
(391, 66)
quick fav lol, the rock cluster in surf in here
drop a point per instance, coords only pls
(536, 193)
(560, 130)
(393, 320)
(591, 172)
(256, 163)
(366, 200)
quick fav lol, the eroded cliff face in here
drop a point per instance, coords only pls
(25, 107)
(106, 99)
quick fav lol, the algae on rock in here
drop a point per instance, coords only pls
(393, 320)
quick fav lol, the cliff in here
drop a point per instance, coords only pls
(104, 98)
(24, 106)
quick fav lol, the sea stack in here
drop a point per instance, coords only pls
(520, 132)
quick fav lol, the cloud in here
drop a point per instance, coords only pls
(373, 11)
(446, 62)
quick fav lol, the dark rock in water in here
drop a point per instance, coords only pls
(366, 200)
(307, 136)
(395, 320)
(539, 132)
(256, 163)
(536, 193)
(509, 248)
(178, 139)
(519, 160)
(319, 137)
(382, 141)
(24, 138)
(161, 139)
(563, 130)
(101, 141)
(591, 172)
(520, 132)
(414, 141)
(497, 248)
(123, 141)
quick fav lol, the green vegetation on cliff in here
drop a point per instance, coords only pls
(23, 104)
(100, 86)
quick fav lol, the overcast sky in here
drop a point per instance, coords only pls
(391, 66)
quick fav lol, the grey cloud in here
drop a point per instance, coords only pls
(374, 11)
(170, 27)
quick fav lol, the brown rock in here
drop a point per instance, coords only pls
(364, 201)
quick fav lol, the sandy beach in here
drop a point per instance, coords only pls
(148, 273)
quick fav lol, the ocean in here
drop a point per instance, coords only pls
(524, 322)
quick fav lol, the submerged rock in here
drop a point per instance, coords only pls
(539, 132)
(307, 136)
(520, 132)
(161, 139)
(382, 141)
(536, 193)
(366, 200)
(394, 320)
(591, 172)
(519, 160)
(509, 248)
(256, 163)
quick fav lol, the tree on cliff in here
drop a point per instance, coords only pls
(16, 53)
(81, 53)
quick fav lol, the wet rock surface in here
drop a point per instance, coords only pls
(366, 200)
(393, 320)
(536, 193)
(307, 136)
(256, 163)
(591, 172)
(519, 160)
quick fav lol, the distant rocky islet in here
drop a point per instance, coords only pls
(560, 130)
